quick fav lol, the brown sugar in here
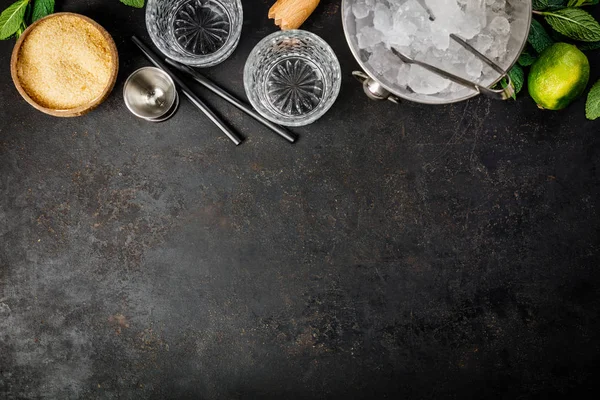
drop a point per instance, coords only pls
(64, 62)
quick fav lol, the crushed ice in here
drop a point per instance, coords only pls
(406, 25)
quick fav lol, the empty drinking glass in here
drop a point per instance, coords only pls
(292, 77)
(200, 33)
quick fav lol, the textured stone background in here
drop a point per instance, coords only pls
(430, 252)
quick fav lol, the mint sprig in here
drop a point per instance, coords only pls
(581, 3)
(592, 106)
(133, 3)
(540, 5)
(569, 23)
(539, 39)
(11, 19)
(15, 18)
(574, 23)
(527, 57)
(42, 8)
(587, 46)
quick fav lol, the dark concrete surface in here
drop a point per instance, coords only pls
(395, 251)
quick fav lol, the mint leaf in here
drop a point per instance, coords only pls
(588, 46)
(527, 57)
(42, 8)
(581, 3)
(556, 4)
(538, 37)
(592, 105)
(12, 18)
(26, 17)
(540, 5)
(21, 29)
(574, 23)
(133, 3)
(517, 76)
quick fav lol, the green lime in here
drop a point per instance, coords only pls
(559, 75)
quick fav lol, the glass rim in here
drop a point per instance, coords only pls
(201, 61)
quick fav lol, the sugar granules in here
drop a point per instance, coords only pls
(64, 62)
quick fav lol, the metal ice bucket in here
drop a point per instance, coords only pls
(378, 87)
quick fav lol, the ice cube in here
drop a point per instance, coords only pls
(476, 10)
(457, 54)
(499, 26)
(483, 43)
(498, 47)
(402, 75)
(382, 59)
(395, 5)
(362, 23)
(368, 37)
(403, 24)
(402, 30)
(474, 67)
(399, 39)
(397, 74)
(360, 10)
(518, 28)
(382, 18)
(469, 28)
(440, 38)
(423, 81)
(445, 11)
(421, 45)
(499, 5)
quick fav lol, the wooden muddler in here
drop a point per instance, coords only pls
(291, 14)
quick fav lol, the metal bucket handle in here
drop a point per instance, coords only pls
(373, 89)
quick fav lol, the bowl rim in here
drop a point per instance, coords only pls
(72, 112)
(363, 65)
(336, 86)
(199, 61)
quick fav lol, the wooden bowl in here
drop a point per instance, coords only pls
(80, 110)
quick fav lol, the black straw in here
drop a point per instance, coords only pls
(213, 87)
(235, 138)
